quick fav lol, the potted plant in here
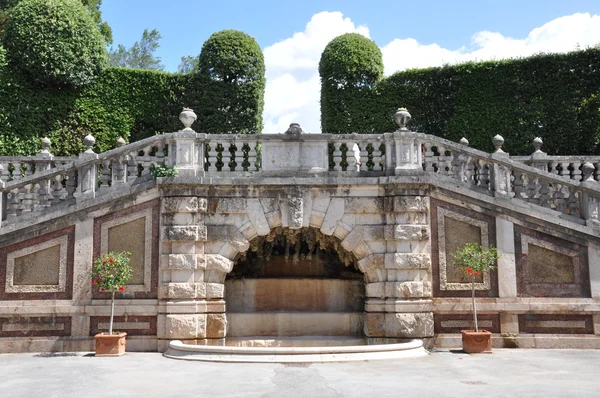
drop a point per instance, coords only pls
(110, 272)
(474, 261)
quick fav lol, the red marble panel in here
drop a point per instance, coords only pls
(454, 323)
(35, 326)
(556, 324)
(147, 325)
(67, 294)
(153, 292)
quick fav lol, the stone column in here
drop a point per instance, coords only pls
(182, 290)
(87, 175)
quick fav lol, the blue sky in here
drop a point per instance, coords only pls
(411, 34)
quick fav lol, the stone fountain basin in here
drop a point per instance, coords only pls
(297, 349)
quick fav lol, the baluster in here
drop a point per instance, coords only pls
(532, 189)
(544, 198)
(71, 184)
(560, 199)
(226, 156)
(160, 152)
(554, 167)
(428, 156)
(444, 162)
(132, 167)
(520, 186)
(378, 161)
(213, 156)
(576, 173)
(146, 161)
(5, 176)
(13, 204)
(26, 199)
(483, 174)
(565, 172)
(17, 173)
(252, 157)
(337, 156)
(573, 203)
(106, 174)
(58, 190)
(239, 156)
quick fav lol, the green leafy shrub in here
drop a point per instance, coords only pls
(161, 170)
(474, 260)
(54, 42)
(228, 88)
(350, 66)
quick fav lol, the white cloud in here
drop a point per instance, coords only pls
(292, 93)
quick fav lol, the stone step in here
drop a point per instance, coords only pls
(283, 324)
(295, 294)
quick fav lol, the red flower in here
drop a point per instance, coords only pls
(110, 260)
(103, 289)
(95, 282)
(121, 288)
(469, 271)
(104, 262)
(477, 273)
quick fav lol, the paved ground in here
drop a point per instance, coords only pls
(505, 373)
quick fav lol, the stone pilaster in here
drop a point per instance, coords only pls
(406, 273)
(183, 290)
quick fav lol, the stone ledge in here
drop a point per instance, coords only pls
(407, 261)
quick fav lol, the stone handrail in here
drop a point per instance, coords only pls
(46, 181)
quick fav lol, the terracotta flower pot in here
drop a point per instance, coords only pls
(474, 342)
(110, 345)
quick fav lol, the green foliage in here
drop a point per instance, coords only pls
(111, 271)
(549, 95)
(188, 64)
(128, 103)
(473, 259)
(160, 170)
(350, 66)
(140, 55)
(93, 7)
(228, 89)
(55, 43)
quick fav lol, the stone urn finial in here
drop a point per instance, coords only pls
(46, 145)
(187, 117)
(464, 141)
(120, 142)
(537, 144)
(498, 141)
(294, 130)
(88, 142)
(402, 118)
(588, 169)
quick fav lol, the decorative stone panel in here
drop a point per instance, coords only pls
(556, 324)
(35, 326)
(136, 230)
(454, 323)
(40, 268)
(133, 325)
(548, 266)
(452, 227)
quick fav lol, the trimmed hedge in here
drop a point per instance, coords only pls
(553, 96)
(231, 84)
(350, 66)
(128, 103)
(54, 42)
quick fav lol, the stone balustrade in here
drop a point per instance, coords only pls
(568, 185)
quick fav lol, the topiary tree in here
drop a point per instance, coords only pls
(54, 42)
(350, 66)
(229, 85)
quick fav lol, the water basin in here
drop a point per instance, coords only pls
(297, 349)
